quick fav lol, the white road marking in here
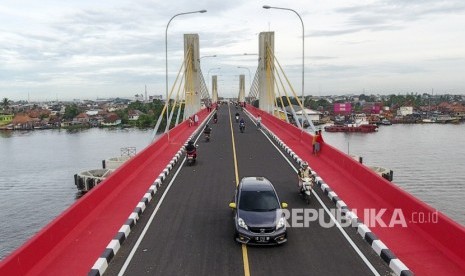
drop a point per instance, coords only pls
(351, 242)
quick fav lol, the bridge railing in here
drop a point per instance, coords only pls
(73, 241)
(445, 234)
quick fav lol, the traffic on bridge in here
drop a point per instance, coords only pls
(189, 230)
(155, 215)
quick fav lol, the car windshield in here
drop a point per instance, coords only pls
(258, 201)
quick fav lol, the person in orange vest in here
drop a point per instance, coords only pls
(315, 143)
(319, 140)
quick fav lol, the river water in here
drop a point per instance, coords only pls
(36, 181)
(427, 159)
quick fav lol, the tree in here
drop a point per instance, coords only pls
(71, 111)
(5, 104)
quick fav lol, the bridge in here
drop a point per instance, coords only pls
(155, 215)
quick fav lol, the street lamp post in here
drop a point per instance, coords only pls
(166, 59)
(303, 43)
(204, 57)
(208, 74)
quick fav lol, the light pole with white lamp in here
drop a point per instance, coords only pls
(205, 57)
(166, 59)
(208, 74)
(303, 43)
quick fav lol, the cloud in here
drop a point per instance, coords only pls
(104, 47)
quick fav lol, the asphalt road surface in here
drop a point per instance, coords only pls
(188, 227)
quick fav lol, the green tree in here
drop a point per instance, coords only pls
(71, 111)
(5, 104)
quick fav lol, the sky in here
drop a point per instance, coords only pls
(82, 49)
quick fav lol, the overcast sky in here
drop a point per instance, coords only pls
(55, 49)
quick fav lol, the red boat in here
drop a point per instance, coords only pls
(352, 128)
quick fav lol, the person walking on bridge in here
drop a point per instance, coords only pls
(319, 140)
(315, 144)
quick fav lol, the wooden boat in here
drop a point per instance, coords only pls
(365, 128)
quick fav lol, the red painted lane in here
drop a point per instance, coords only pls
(71, 243)
(426, 248)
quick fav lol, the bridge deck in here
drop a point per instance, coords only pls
(428, 248)
(77, 238)
(192, 231)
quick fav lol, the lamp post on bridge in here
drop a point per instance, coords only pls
(204, 57)
(208, 74)
(303, 43)
(166, 61)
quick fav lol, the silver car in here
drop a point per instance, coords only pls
(258, 214)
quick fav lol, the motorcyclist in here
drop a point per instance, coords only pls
(191, 149)
(242, 123)
(215, 117)
(207, 130)
(304, 172)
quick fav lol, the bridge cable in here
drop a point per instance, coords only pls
(165, 107)
(296, 97)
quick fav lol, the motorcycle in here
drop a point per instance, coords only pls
(207, 137)
(215, 120)
(242, 127)
(237, 118)
(306, 190)
(191, 157)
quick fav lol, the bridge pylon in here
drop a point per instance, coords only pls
(241, 88)
(266, 68)
(214, 89)
(192, 84)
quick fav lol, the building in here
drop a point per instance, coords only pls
(405, 110)
(5, 119)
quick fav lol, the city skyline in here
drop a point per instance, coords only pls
(56, 50)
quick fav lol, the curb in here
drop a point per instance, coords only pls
(397, 266)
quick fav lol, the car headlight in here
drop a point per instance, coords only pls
(281, 223)
(242, 224)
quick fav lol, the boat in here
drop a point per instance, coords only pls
(441, 119)
(385, 122)
(364, 128)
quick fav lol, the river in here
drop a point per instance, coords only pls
(427, 160)
(36, 183)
